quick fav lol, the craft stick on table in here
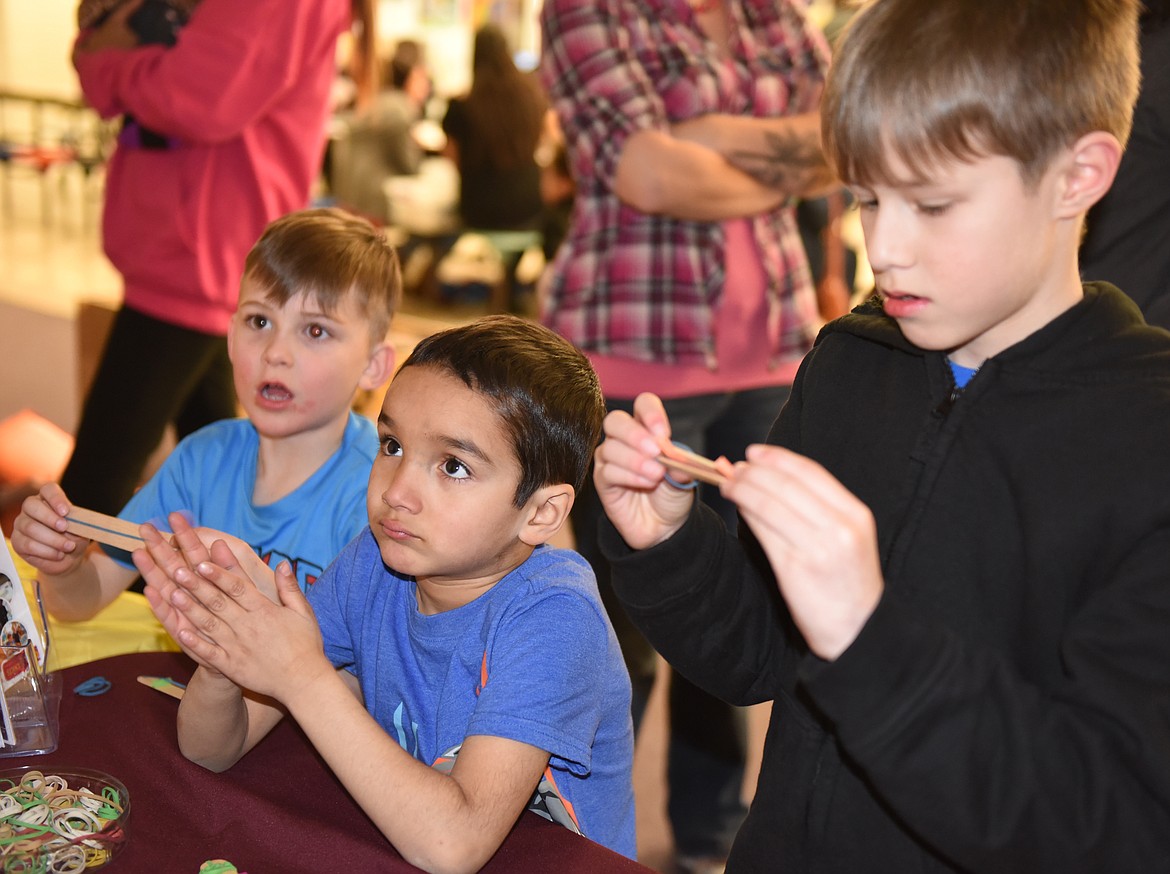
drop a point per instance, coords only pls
(694, 465)
(109, 530)
(165, 685)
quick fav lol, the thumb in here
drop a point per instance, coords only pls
(289, 591)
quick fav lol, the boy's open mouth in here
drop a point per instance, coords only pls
(274, 391)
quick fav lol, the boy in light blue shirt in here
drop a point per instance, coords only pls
(318, 292)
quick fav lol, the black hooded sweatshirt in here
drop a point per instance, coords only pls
(1006, 708)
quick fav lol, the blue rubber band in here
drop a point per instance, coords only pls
(93, 686)
(686, 487)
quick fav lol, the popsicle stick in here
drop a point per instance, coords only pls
(692, 464)
(165, 685)
(109, 530)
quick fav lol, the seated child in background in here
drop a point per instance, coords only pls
(954, 576)
(451, 630)
(316, 299)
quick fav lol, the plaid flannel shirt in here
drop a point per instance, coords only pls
(633, 285)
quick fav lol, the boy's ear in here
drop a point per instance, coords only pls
(547, 511)
(1090, 166)
(379, 368)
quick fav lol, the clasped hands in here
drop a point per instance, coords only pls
(820, 539)
(229, 611)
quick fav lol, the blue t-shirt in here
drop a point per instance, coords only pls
(211, 474)
(533, 659)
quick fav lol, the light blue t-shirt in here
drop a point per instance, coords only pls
(211, 474)
(533, 659)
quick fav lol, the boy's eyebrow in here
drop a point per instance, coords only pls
(320, 314)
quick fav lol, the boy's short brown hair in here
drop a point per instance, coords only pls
(543, 389)
(931, 80)
(328, 254)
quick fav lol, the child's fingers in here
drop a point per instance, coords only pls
(221, 588)
(39, 529)
(187, 539)
(171, 619)
(289, 591)
(622, 427)
(208, 616)
(202, 649)
(238, 559)
(619, 464)
(651, 415)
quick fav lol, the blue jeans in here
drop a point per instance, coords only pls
(708, 738)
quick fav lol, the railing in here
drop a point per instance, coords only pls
(48, 136)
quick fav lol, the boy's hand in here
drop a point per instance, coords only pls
(191, 546)
(158, 562)
(164, 560)
(39, 536)
(644, 508)
(820, 540)
(273, 649)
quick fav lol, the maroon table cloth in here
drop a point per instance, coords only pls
(278, 811)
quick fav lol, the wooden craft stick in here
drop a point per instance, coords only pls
(165, 685)
(109, 530)
(693, 465)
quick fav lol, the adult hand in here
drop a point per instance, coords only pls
(39, 535)
(820, 539)
(630, 481)
(113, 33)
(273, 649)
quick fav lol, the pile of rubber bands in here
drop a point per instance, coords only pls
(46, 827)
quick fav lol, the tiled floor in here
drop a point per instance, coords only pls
(50, 264)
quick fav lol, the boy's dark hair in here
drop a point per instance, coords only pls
(408, 54)
(931, 80)
(328, 254)
(542, 388)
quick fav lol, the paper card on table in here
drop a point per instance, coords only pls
(109, 530)
(7, 733)
(19, 624)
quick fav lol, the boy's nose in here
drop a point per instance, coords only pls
(399, 488)
(886, 240)
(276, 350)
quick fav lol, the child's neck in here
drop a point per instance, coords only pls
(438, 595)
(283, 464)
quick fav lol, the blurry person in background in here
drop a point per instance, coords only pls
(492, 136)
(240, 102)
(379, 139)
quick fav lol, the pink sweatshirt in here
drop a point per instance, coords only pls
(246, 90)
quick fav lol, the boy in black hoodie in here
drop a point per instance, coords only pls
(954, 576)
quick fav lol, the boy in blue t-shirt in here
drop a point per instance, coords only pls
(316, 299)
(467, 669)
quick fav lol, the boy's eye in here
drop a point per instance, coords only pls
(257, 322)
(933, 209)
(455, 468)
(391, 447)
(317, 331)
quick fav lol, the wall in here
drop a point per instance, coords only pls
(35, 40)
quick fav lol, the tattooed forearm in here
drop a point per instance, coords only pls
(791, 162)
